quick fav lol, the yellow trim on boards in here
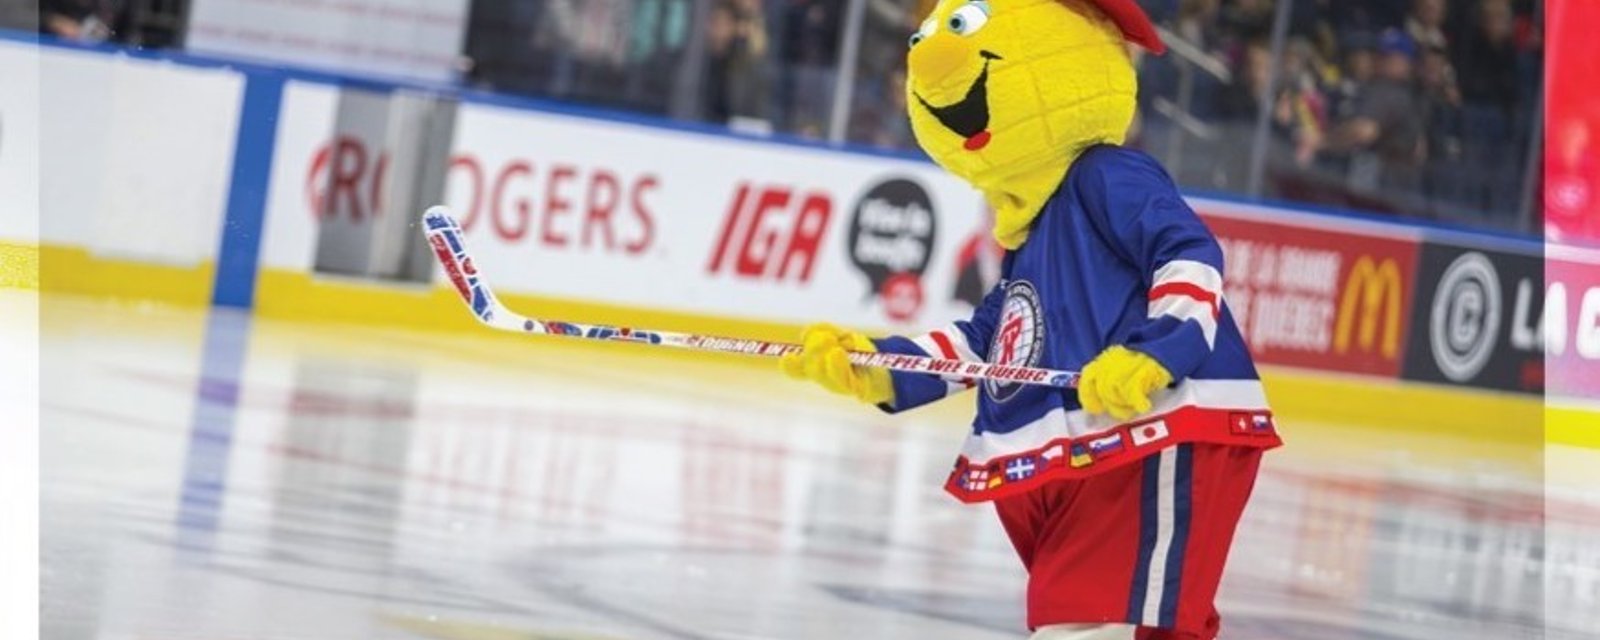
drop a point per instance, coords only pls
(1576, 427)
(71, 270)
(19, 266)
(1420, 407)
(1295, 394)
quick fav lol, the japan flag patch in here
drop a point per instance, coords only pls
(1149, 433)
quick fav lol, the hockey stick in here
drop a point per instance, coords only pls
(444, 236)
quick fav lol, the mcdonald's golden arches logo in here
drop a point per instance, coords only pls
(1374, 292)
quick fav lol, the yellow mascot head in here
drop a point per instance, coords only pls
(1007, 93)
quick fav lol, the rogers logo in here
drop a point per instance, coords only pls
(343, 173)
(554, 204)
(772, 232)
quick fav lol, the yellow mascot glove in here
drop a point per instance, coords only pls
(1119, 382)
(823, 359)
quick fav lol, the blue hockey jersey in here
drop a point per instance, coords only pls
(1115, 257)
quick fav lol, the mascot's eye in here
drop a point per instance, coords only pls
(969, 18)
(923, 33)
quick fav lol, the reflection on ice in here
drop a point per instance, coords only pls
(221, 477)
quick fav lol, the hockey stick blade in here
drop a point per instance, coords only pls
(444, 236)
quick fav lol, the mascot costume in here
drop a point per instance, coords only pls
(1121, 497)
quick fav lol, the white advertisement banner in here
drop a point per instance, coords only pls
(19, 144)
(690, 222)
(637, 216)
(139, 158)
(407, 38)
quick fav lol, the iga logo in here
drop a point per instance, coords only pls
(1465, 322)
(773, 233)
(1019, 338)
(891, 242)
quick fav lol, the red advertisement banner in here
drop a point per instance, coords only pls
(1318, 298)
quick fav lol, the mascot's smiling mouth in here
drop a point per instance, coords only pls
(968, 118)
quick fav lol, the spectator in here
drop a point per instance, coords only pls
(1488, 57)
(1300, 111)
(888, 23)
(509, 51)
(595, 30)
(1241, 100)
(1491, 57)
(1383, 134)
(82, 20)
(1425, 25)
(1329, 57)
(1446, 179)
(1441, 99)
(659, 26)
(1355, 74)
(1221, 161)
(880, 72)
(587, 46)
(1343, 91)
(736, 49)
(1365, 15)
(1247, 20)
(1298, 108)
(1197, 22)
(810, 40)
(656, 42)
(884, 123)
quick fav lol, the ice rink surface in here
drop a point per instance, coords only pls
(209, 475)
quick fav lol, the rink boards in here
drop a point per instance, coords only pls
(146, 196)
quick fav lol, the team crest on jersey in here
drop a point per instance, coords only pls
(1019, 338)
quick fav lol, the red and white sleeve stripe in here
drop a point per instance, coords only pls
(1188, 290)
(951, 343)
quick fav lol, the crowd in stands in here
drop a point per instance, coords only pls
(1422, 107)
(765, 64)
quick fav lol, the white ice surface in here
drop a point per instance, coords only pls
(222, 477)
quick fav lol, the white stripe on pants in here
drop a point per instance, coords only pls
(1156, 579)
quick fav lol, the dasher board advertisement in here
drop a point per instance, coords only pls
(1317, 297)
(1477, 322)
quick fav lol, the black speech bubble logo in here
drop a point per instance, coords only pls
(892, 232)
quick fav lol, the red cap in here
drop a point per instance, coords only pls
(1133, 22)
